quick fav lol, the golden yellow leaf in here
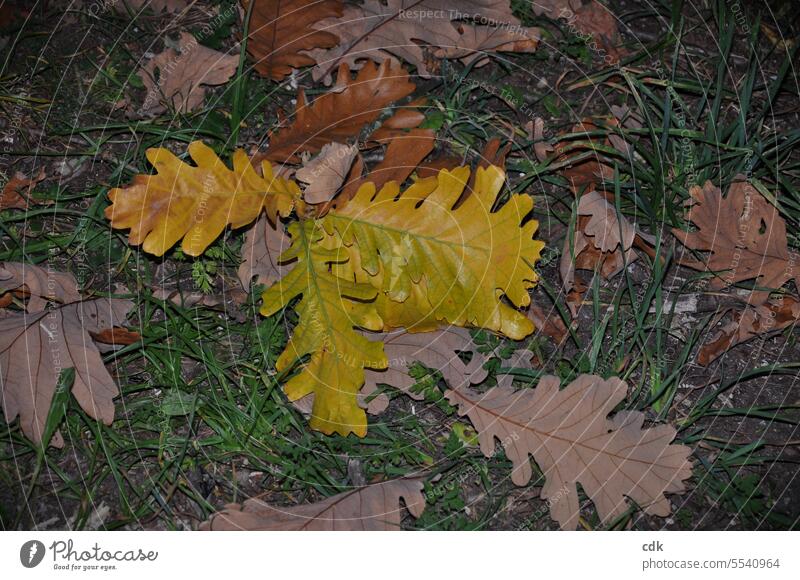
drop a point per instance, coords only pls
(329, 309)
(435, 263)
(196, 203)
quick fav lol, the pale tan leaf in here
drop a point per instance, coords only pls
(325, 173)
(437, 350)
(569, 435)
(404, 28)
(34, 349)
(375, 507)
(41, 284)
(178, 78)
(744, 235)
(263, 244)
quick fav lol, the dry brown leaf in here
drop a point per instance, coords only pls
(548, 323)
(177, 78)
(17, 191)
(403, 120)
(405, 29)
(280, 30)
(603, 241)
(116, 336)
(573, 441)
(403, 156)
(375, 507)
(325, 173)
(339, 114)
(591, 19)
(263, 244)
(744, 235)
(437, 350)
(40, 284)
(749, 323)
(35, 348)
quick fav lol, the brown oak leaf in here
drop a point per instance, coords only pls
(34, 349)
(177, 78)
(747, 324)
(39, 284)
(415, 30)
(263, 244)
(16, 192)
(325, 173)
(744, 235)
(572, 439)
(374, 507)
(339, 114)
(280, 30)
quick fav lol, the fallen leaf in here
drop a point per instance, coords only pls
(17, 191)
(325, 173)
(339, 114)
(750, 323)
(35, 348)
(177, 78)
(602, 241)
(400, 259)
(548, 323)
(590, 19)
(374, 507)
(744, 235)
(436, 262)
(116, 336)
(438, 350)
(40, 284)
(328, 311)
(403, 155)
(569, 435)
(196, 203)
(280, 30)
(407, 29)
(263, 244)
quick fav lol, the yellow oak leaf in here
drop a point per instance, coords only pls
(196, 203)
(329, 310)
(440, 255)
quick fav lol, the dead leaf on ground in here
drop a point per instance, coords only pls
(178, 78)
(340, 114)
(573, 441)
(379, 32)
(403, 155)
(590, 19)
(17, 191)
(116, 336)
(375, 507)
(325, 173)
(35, 348)
(747, 324)
(281, 30)
(603, 241)
(39, 284)
(437, 350)
(744, 235)
(263, 244)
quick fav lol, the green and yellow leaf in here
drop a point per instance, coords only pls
(438, 254)
(196, 203)
(329, 310)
